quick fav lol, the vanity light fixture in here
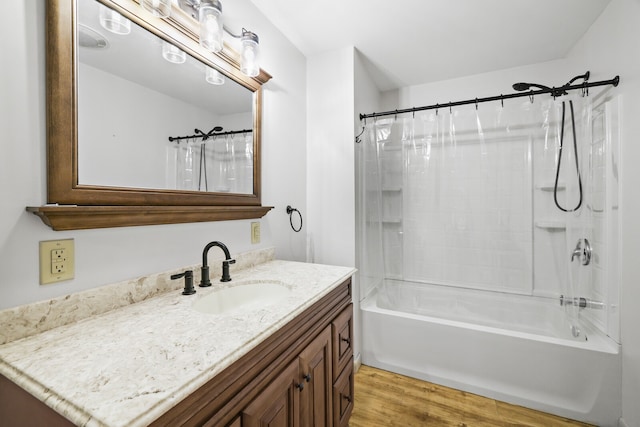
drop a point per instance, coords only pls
(209, 15)
(159, 8)
(213, 76)
(211, 25)
(112, 21)
(249, 59)
(172, 53)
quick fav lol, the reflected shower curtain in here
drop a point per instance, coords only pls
(219, 164)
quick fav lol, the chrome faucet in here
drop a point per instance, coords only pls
(205, 282)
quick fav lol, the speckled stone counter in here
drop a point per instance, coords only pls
(129, 365)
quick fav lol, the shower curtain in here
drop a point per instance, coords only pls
(219, 164)
(457, 197)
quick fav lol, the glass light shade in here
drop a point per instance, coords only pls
(250, 56)
(213, 76)
(159, 8)
(112, 21)
(211, 25)
(172, 53)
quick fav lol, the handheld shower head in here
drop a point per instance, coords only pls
(520, 87)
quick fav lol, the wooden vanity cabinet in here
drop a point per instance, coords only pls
(342, 346)
(300, 395)
(315, 363)
(301, 376)
(279, 404)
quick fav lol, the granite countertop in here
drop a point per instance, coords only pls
(128, 366)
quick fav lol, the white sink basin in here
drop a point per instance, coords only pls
(243, 296)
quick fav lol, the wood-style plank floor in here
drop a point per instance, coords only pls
(387, 399)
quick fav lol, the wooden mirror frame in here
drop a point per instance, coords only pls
(73, 206)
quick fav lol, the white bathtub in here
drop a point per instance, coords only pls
(521, 352)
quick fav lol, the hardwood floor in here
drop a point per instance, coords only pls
(386, 399)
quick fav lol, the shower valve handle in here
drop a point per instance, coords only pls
(582, 251)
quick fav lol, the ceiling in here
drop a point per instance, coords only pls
(409, 42)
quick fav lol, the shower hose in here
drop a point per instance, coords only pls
(575, 151)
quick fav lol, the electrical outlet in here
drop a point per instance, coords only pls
(56, 261)
(255, 232)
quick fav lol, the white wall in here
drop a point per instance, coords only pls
(136, 136)
(110, 255)
(611, 47)
(330, 157)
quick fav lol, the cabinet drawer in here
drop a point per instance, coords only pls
(343, 396)
(342, 336)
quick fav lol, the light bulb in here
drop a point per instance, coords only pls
(250, 55)
(112, 21)
(213, 76)
(159, 8)
(172, 53)
(211, 25)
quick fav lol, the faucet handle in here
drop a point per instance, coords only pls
(226, 277)
(188, 281)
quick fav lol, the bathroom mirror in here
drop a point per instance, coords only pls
(114, 100)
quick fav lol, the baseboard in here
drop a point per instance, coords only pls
(357, 362)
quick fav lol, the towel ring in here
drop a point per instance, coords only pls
(290, 211)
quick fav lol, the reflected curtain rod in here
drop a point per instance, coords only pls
(210, 134)
(501, 97)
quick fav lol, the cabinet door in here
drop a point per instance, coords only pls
(342, 328)
(315, 371)
(278, 404)
(343, 397)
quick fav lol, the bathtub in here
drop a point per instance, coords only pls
(511, 348)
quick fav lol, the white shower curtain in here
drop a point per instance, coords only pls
(455, 197)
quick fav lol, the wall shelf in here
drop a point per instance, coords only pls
(549, 186)
(551, 225)
(86, 217)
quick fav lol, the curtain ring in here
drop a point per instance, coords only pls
(437, 107)
(585, 89)
(476, 104)
(290, 211)
(531, 97)
(450, 109)
(502, 100)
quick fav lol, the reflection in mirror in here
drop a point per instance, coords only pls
(147, 112)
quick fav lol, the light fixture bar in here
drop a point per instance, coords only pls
(209, 15)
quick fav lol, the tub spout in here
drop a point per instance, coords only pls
(581, 302)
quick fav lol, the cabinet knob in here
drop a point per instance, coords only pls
(347, 340)
(300, 386)
(307, 377)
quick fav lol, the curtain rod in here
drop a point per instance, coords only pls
(531, 93)
(205, 136)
